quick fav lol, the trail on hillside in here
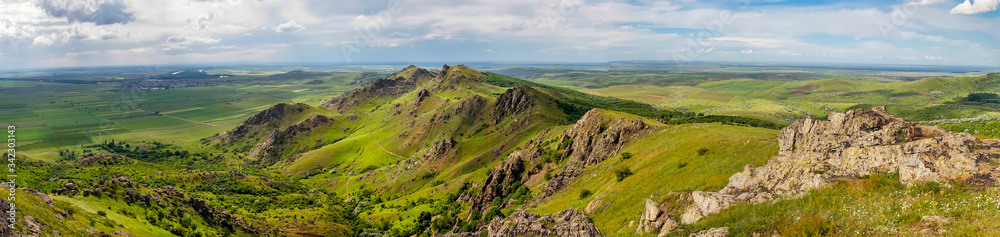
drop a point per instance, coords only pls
(383, 148)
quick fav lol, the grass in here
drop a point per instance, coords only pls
(661, 165)
(877, 206)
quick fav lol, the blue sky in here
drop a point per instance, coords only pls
(64, 33)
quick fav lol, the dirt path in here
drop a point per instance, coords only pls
(383, 148)
(209, 124)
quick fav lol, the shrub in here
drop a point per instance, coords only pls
(623, 173)
(626, 156)
(102, 213)
(584, 193)
(494, 212)
(548, 175)
(702, 151)
(682, 165)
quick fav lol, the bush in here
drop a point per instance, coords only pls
(548, 175)
(494, 212)
(626, 156)
(102, 213)
(702, 151)
(623, 173)
(584, 193)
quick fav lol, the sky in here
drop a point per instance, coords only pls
(75, 33)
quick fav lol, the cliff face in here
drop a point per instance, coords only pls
(817, 153)
(513, 101)
(568, 223)
(594, 140)
(504, 175)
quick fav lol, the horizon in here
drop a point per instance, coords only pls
(95, 33)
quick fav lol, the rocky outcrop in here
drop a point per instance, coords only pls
(273, 114)
(453, 77)
(396, 85)
(713, 232)
(41, 196)
(276, 142)
(568, 223)
(655, 221)
(220, 217)
(851, 145)
(512, 102)
(68, 188)
(593, 139)
(470, 106)
(509, 171)
(441, 149)
(5, 223)
(101, 159)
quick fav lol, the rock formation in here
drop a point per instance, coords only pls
(513, 101)
(399, 84)
(655, 221)
(509, 171)
(593, 140)
(568, 223)
(851, 145)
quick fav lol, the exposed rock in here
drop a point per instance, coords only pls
(451, 77)
(219, 216)
(851, 145)
(503, 176)
(713, 232)
(275, 113)
(123, 234)
(34, 227)
(421, 95)
(568, 223)
(655, 220)
(42, 196)
(277, 140)
(470, 106)
(68, 188)
(513, 101)
(595, 204)
(5, 223)
(396, 85)
(705, 203)
(594, 139)
(440, 149)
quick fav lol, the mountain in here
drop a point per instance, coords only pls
(493, 145)
(461, 152)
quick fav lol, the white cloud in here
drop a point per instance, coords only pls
(928, 57)
(289, 26)
(746, 51)
(925, 2)
(755, 42)
(979, 6)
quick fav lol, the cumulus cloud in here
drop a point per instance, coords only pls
(289, 26)
(979, 6)
(100, 12)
